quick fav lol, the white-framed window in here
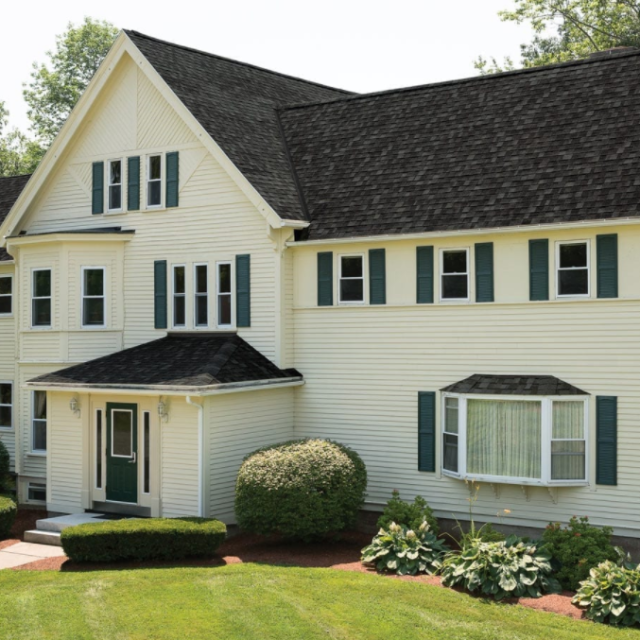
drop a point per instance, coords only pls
(99, 444)
(572, 268)
(146, 452)
(36, 492)
(6, 405)
(155, 170)
(179, 289)
(454, 274)
(93, 297)
(351, 279)
(523, 440)
(39, 421)
(201, 295)
(224, 294)
(6, 295)
(41, 298)
(115, 175)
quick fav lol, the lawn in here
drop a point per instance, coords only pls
(247, 601)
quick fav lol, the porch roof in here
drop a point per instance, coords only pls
(514, 385)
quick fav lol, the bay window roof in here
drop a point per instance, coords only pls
(519, 385)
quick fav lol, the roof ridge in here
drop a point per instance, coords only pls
(469, 79)
(238, 62)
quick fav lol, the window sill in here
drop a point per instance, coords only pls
(522, 482)
(37, 454)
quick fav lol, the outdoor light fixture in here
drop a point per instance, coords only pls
(162, 411)
(74, 405)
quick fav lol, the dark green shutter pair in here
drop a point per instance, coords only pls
(243, 292)
(606, 265)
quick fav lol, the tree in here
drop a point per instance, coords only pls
(18, 154)
(54, 91)
(569, 30)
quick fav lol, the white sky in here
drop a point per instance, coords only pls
(362, 45)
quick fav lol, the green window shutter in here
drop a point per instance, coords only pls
(377, 277)
(133, 184)
(424, 273)
(325, 279)
(607, 440)
(607, 248)
(173, 175)
(97, 198)
(160, 293)
(243, 291)
(426, 431)
(484, 271)
(538, 269)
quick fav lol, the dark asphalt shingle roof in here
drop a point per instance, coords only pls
(236, 104)
(179, 359)
(10, 189)
(98, 231)
(549, 145)
(514, 385)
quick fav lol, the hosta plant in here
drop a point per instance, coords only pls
(507, 569)
(404, 551)
(611, 594)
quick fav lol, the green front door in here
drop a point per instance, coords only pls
(122, 452)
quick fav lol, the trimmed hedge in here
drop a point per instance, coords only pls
(8, 511)
(143, 539)
(300, 489)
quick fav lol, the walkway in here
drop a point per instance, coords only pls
(26, 552)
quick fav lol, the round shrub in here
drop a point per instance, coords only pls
(5, 462)
(300, 489)
(8, 512)
(409, 514)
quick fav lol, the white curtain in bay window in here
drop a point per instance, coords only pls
(504, 438)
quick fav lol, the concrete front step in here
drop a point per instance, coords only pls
(60, 523)
(51, 538)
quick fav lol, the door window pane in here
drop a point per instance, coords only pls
(455, 275)
(121, 434)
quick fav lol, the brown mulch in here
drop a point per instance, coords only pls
(342, 554)
(25, 520)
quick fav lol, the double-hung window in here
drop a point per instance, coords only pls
(154, 181)
(6, 405)
(93, 307)
(454, 282)
(573, 269)
(114, 183)
(41, 298)
(351, 279)
(6, 295)
(39, 421)
(224, 294)
(201, 292)
(179, 296)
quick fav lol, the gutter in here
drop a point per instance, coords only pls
(200, 408)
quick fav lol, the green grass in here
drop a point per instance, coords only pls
(257, 601)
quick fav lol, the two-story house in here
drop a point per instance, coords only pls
(213, 257)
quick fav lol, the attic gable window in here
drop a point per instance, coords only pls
(154, 181)
(114, 182)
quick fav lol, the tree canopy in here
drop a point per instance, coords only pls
(18, 154)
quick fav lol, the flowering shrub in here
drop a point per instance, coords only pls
(611, 594)
(405, 551)
(577, 548)
(410, 514)
(510, 568)
(301, 489)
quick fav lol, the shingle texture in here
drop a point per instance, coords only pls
(236, 104)
(10, 189)
(560, 144)
(514, 385)
(189, 360)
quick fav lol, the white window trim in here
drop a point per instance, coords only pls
(11, 426)
(7, 295)
(84, 297)
(109, 185)
(546, 434)
(561, 243)
(34, 451)
(231, 295)
(41, 327)
(99, 450)
(111, 426)
(349, 303)
(148, 206)
(143, 457)
(467, 273)
(41, 486)
(173, 296)
(197, 294)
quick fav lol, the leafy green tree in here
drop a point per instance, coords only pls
(567, 30)
(18, 154)
(55, 89)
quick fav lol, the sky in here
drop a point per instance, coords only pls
(361, 45)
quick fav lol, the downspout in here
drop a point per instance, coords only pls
(200, 454)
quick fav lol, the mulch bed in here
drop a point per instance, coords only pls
(342, 554)
(25, 521)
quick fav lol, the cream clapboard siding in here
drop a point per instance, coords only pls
(8, 362)
(364, 367)
(239, 423)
